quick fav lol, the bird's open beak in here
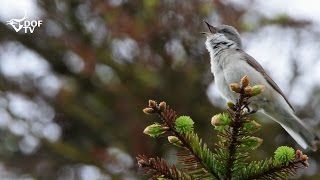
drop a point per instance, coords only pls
(211, 28)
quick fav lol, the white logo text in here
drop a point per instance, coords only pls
(28, 26)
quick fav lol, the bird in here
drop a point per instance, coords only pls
(229, 63)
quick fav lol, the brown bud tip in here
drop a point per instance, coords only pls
(247, 90)
(235, 87)
(215, 120)
(148, 110)
(304, 157)
(163, 106)
(298, 154)
(152, 103)
(174, 140)
(245, 81)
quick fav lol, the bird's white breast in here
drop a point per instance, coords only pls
(229, 67)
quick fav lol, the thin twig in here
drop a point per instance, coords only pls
(236, 125)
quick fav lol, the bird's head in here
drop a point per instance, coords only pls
(222, 34)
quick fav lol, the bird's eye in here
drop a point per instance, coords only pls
(224, 31)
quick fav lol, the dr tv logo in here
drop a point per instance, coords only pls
(28, 26)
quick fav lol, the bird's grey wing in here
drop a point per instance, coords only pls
(252, 62)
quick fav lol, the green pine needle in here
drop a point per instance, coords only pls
(284, 155)
(184, 124)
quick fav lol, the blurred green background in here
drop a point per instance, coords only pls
(72, 92)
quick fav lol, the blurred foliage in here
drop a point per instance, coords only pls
(110, 57)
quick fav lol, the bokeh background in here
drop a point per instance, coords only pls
(72, 92)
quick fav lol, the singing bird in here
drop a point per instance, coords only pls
(229, 63)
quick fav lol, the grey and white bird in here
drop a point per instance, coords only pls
(229, 63)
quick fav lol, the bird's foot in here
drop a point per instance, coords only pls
(250, 111)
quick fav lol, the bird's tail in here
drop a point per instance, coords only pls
(306, 137)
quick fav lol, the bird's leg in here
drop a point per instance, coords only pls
(250, 111)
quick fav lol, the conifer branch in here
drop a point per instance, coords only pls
(157, 167)
(238, 117)
(271, 170)
(230, 158)
(191, 157)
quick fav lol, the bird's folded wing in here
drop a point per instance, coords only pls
(252, 62)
